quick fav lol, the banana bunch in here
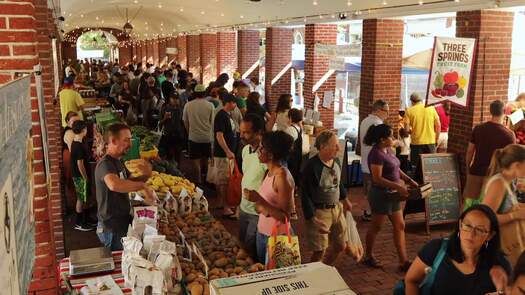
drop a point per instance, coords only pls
(133, 167)
(161, 182)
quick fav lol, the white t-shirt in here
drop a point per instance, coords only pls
(371, 120)
(293, 131)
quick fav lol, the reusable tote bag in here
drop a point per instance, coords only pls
(282, 250)
(234, 186)
(425, 288)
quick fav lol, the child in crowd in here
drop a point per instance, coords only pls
(79, 160)
(404, 150)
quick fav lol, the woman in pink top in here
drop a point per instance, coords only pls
(274, 198)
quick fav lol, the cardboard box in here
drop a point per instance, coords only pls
(306, 279)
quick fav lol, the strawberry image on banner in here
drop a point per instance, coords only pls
(450, 70)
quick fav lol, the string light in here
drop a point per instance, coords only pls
(348, 3)
(384, 2)
(421, 2)
(315, 2)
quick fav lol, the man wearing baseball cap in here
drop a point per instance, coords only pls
(198, 120)
(70, 100)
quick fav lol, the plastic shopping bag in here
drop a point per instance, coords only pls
(354, 247)
(282, 250)
(234, 186)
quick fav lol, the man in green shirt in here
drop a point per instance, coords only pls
(242, 94)
(252, 128)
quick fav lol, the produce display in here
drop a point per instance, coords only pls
(220, 256)
(449, 84)
(162, 182)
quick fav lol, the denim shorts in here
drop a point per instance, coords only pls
(261, 244)
(110, 239)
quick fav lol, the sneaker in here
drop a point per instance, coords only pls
(84, 227)
(366, 216)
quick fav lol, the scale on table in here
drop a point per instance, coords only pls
(88, 261)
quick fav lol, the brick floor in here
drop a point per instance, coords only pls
(361, 279)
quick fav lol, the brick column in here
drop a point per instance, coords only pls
(381, 65)
(25, 42)
(171, 43)
(144, 51)
(194, 54)
(125, 54)
(278, 64)
(182, 53)
(248, 53)
(317, 77)
(490, 80)
(163, 57)
(69, 50)
(226, 52)
(155, 54)
(208, 53)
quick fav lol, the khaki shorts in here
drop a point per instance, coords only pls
(473, 186)
(442, 141)
(334, 219)
(221, 168)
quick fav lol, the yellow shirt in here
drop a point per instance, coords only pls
(421, 121)
(70, 101)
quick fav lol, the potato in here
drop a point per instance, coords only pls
(206, 290)
(202, 281)
(253, 268)
(238, 269)
(240, 262)
(243, 272)
(230, 270)
(214, 271)
(213, 277)
(196, 289)
(223, 275)
(221, 262)
(191, 277)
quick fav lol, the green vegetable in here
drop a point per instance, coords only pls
(438, 81)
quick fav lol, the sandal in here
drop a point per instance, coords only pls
(405, 266)
(371, 262)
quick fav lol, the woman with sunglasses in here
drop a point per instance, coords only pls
(470, 253)
(274, 200)
(387, 178)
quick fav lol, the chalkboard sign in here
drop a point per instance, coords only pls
(444, 203)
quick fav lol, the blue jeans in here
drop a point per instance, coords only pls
(110, 239)
(261, 244)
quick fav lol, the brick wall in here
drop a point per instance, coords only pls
(493, 30)
(278, 64)
(182, 53)
(381, 65)
(317, 77)
(69, 50)
(226, 52)
(27, 47)
(248, 53)
(208, 57)
(193, 53)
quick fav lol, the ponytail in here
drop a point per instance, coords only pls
(505, 157)
(495, 164)
(376, 133)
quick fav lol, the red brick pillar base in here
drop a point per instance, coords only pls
(248, 53)
(226, 52)
(490, 80)
(278, 64)
(317, 77)
(381, 65)
(208, 54)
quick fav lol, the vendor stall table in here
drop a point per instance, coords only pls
(78, 282)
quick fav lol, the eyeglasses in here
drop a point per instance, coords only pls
(478, 231)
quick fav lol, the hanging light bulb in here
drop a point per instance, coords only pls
(348, 3)
(420, 2)
(314, 2)
(384, 2)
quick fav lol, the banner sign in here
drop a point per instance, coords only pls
(450, 70)
(171, 50)
(336, 64)
(338, 50)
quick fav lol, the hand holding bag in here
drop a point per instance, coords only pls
(282, 250)
(234, 195)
